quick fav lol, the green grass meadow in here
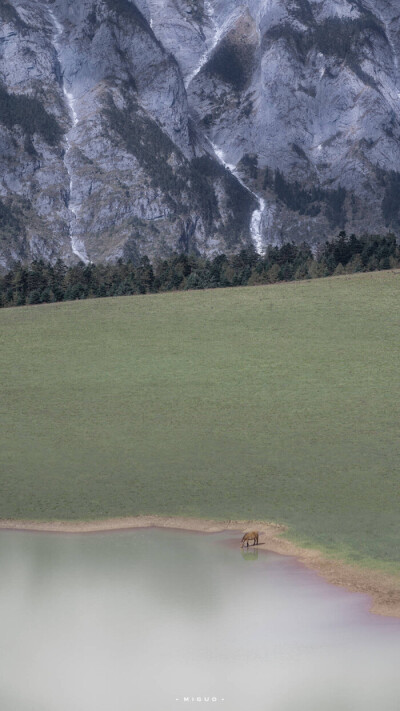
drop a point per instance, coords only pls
(279, 402)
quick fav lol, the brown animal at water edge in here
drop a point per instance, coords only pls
(251, 536)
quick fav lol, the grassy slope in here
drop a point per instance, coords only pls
(274, 402)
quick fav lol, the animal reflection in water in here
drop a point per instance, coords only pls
(250, 536)
(249, 555)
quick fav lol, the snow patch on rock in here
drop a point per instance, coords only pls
(256, 225)
(77, 244)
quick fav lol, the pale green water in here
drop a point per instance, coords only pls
(136, 620)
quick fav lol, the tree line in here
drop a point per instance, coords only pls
(44, 282)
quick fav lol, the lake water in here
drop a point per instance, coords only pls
(142, 620)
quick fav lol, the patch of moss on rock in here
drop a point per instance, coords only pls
(30, 114)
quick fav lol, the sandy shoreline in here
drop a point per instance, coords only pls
(384, 589)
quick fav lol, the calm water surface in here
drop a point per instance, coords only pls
(141, 620)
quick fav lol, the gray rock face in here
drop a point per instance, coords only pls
(312, 91)
(131, 128)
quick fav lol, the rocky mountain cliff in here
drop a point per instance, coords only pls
(131, 128)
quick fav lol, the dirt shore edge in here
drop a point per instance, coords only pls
(384, 589)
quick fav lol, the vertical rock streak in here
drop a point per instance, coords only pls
(219, 32)
(256, 225)
(77, 244)
(257, 215)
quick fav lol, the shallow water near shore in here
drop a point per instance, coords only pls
(157, 620)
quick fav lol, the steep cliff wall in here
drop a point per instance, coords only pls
(100, 157)
(312, 90)
(140, 128)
